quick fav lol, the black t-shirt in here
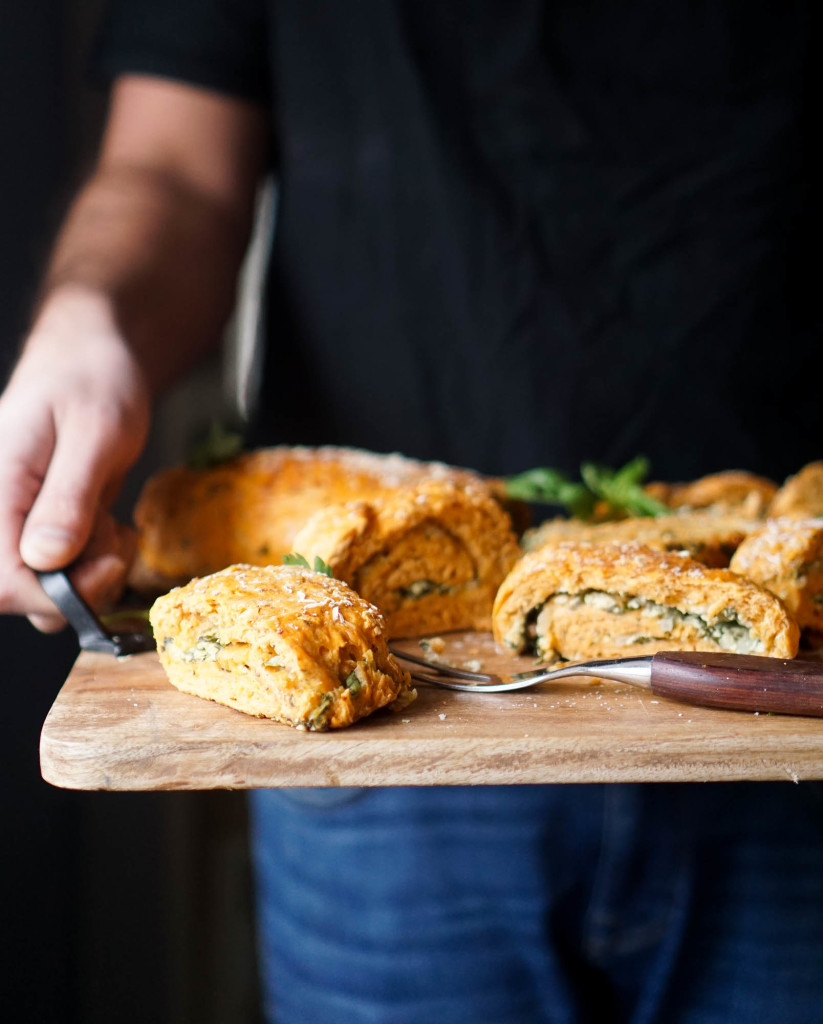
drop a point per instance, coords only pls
(514, 232)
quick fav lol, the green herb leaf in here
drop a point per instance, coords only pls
(353, 683)
(551, 487)
(621, 489)
(219, 445)
(295, 559)
(319, 565)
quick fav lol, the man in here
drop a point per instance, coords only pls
(509, 234)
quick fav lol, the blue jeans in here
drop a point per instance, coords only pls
(621, 904)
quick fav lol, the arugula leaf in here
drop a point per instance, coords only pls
(621, 489)
(319, 565)
(219, 445)
(551, 487)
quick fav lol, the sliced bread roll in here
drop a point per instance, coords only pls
(278, 642)
(579, 601)
(192, 522)
(710, 539)
(730, 492)
(786, 557)
(801, 496)
(431, 557)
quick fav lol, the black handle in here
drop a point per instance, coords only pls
(91, 633)
(740, 682)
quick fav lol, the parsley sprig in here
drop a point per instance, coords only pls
(621, 489)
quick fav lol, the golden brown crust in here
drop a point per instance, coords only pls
(431, 557)
(733, 491)
(616, 600)
(786, 557)
(193, 522)
(801, 496)
(278, 642)
(710, 539)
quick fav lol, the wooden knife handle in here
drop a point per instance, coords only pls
(741, 682)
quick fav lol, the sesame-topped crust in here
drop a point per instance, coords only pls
(279, 642)
(192, 522)
(579, 600)
(786, 557)
(708, 538)
(431, 556)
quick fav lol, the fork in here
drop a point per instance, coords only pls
(735, 681)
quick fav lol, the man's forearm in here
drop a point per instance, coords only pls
(162, 254)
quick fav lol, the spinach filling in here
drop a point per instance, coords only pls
(420, 588)
(353, 683)
(206, 648)
(726, 629)
(319, 718)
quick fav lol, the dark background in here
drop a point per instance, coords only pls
(115, 907)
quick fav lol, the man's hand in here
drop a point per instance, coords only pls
(140, 284)
(72, 421)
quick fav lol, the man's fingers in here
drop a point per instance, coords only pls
(62, 516)
(47, 623)
(100, 573)
(23, 463)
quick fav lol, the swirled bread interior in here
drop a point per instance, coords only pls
(278, 642)
(431, 557)
(575, 600)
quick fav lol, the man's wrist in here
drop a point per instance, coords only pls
(71, 307)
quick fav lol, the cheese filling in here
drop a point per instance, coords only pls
(624, 620)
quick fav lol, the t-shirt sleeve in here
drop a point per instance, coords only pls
(217, 44)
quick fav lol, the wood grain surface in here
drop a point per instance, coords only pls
(120, 725)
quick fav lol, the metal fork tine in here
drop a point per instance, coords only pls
(445, 670)
(496, 684)
(636, 671)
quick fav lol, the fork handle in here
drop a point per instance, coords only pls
(740, 682)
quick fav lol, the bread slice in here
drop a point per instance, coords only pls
(431, 557)
(801, 496)
(786, 557)
(192, 522)
(278, 642)
(730, 492)
(577, 601)
(710, 539)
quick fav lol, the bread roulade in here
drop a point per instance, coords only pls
(801, 496)
(579, 601)
(430, 557)
(786, 557)
(710, 539)
(192, 522)
(731, 492)
(279, 642)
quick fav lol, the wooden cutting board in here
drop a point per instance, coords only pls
(120, 725)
